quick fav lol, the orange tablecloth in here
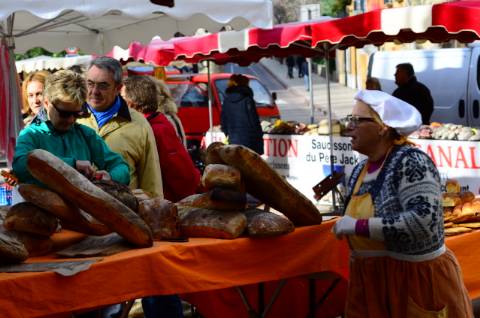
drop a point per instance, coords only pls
(168, 268)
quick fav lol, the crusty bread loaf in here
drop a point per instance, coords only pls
(218, 175)
(73, 186)
(451, 199)
(27, 217)
(205, 201)
(452, 186)
(69, 215)
(467, 196)
(119, 191)
(162, 218)
(266, 184)
(36, 245)
(11, 249)
(212, 156)
(197, 222)
(267, 224)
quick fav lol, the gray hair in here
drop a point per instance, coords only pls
(109, 64)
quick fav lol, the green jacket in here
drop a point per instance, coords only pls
(78, 143)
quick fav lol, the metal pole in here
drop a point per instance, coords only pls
(310, 90)
(210, 108)
(329, 104)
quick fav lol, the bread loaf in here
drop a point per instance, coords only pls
(452, 186)
(27, 217)
(467, 196)
(267, 224)
(212, 156)
(205, 201)
(69, 215)
(223, 176)
(73, 186)
(197, 222)
(119, 191)
(266, 184)
(11, 249)
(162, 218)
(451, 199)
(36, 245)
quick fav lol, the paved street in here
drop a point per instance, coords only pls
(293, 99)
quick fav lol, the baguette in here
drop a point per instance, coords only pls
(70, 216)
(212, 156)
(266, 184)
(72, 185)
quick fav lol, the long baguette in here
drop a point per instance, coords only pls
(69, 215)
(73, 186)
(266, 184)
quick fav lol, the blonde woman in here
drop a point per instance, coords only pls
(167, 106)
(32, 95)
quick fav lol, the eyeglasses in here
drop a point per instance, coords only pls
(68, 114)
(103, 86)
(352, 121)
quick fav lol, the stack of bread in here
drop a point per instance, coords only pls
(461, 209)
(70, 201)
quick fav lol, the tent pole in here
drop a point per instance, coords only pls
(210, 108)
(326, 51)
(310, 90)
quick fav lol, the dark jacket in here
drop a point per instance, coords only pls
(418, 95)
(240, 120)
(179, 175)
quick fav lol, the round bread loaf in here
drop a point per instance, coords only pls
(218, 175)
(452, 186)
(467, 196)
(451, 199)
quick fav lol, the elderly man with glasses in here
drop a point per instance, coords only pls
(125, 130)
(77, 145)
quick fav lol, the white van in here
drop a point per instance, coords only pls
(452, 75)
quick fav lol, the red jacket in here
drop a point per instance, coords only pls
(179, 175)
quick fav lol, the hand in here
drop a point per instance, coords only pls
(344, 226)
(85, 168)
(102, 175)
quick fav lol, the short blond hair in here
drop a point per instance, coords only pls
(41, 77)
(66, 86)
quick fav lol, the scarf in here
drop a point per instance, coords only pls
(103, 117)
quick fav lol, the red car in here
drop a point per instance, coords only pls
(191, 96)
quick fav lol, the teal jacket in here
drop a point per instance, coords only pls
(78, 143)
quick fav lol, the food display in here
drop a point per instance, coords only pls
(461, 209)
(447, 132)
(266, 224)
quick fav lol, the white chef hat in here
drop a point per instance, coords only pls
(394, 112)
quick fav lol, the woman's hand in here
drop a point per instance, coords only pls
(344, 226)
(102, 175)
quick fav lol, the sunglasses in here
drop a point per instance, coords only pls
(352, 121)
(68, 114)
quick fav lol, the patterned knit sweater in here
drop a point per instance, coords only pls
(407, 199)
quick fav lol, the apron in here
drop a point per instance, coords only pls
(384, 287)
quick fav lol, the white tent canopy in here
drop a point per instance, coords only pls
(49, 63)
(95, 26)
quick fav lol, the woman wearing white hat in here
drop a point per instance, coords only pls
(393, 220)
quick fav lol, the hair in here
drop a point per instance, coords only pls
(66, 86)
(407, 67)
(166, 103)
(238, 80)
(374, 82)
(40, 76)
(142, 92)
(109, 64)
(77, 69)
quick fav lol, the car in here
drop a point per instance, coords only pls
(190, 92)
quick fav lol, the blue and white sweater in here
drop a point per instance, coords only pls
(407, 199)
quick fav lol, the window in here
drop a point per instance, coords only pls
(260, 94)
(190, 95)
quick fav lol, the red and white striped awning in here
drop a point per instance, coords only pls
(458, 20)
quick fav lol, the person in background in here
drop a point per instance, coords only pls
(372, 83)
(393, 220)
(239, 117)
(32, 95)
(301, 62)
(125, 130)
(167, 106)
(290, 61)
(77, 145)
(413, 92)
(180, 177)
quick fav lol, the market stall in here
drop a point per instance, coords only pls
(167, 268)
